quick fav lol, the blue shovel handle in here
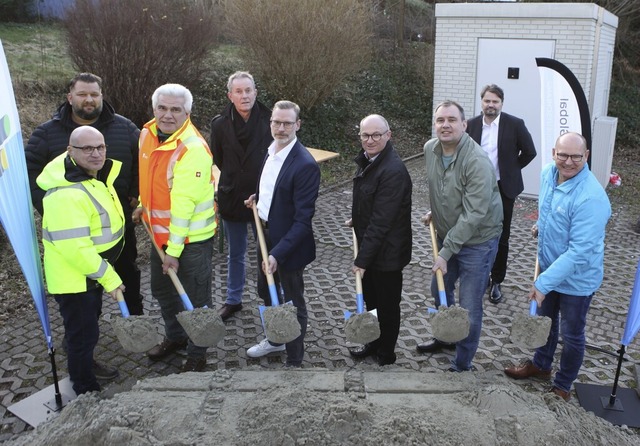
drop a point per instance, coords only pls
(122, 304)
(533, 307)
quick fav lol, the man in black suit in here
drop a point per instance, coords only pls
(286, 200)
(508, 143)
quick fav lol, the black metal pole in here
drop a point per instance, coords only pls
(54, 371)
(612, 398)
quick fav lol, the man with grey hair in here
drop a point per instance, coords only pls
(467, 214)
(240, 136)
(176, 197)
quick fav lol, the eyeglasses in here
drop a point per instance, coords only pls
(287, 125)
(376, 136)
(88, 150)
(564, 157)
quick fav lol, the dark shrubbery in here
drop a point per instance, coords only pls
(136, 46)
(16, 10)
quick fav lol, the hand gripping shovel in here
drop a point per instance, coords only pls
(203, 325)
(530, 330)
(362, 327)
(449, 324)
(137, 334)
(280, 322)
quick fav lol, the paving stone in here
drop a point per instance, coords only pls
(330, 290)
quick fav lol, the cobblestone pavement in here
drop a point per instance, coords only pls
(25, 367)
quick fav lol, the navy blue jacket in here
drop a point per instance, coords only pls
(292, 208)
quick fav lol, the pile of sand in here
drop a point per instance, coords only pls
(318, 407)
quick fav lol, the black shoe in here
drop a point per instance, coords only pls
(386, 359)
(495, 297)
(165, 348)
(434, 346)
(228, 310)
(104, 372)
(363, 351)
(194, 365)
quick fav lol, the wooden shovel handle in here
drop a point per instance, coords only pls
(355, 254)
(263, 243)
(434, 243)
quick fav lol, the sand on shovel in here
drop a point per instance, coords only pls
(450, 324)
(137, 334)
(530, 331)
(203, 326)
(362, 328)
(281, 323)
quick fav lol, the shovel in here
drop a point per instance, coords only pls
(137, 334)
(449, 324)
(531, 331)
(363, 327)
(203, 325)
(280, 322)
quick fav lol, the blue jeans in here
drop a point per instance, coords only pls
(194, 273)
(236, 234)
(568, 316)
(472, 266)
(80, 312)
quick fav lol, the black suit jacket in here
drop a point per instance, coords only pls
(292, 208)
(515, 150)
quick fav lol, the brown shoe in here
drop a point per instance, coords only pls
(527, 370)
(561, 393)
(194, 365)
(228, 310)
(165, 348)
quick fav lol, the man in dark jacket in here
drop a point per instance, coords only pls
(85, 106)
(240, 136)
(381, 217)
(510, 148)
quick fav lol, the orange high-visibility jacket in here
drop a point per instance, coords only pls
(176, 186)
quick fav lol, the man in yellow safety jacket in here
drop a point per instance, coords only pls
(176, 197)
(82, 234)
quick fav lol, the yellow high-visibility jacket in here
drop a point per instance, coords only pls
(176, 186)
(82, 226)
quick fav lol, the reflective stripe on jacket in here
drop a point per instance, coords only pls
(176, 186)
(82, 227)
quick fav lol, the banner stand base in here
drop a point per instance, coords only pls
(624, 411)
(41, 406)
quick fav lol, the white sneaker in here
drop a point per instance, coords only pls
(264, 348)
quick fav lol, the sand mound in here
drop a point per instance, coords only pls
(320, 407)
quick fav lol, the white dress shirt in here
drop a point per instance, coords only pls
(489, 142)
(270, 173)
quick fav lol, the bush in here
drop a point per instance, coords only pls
(16, 10)
(137, 46)
(302, 49)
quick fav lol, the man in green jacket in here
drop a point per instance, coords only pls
(467, 213)
(82, 234)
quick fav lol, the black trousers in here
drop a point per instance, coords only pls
(382, 290)
(499, 270)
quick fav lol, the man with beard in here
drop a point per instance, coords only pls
(510, 147)
(85, 106)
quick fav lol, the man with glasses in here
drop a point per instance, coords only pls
(573, 211)
(286, 198)
(82, 229)
(176, 197)
(508, 143)
(240, 136)
(85, 105)
(467, 214)
(381, 218)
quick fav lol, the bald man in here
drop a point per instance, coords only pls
(82, 233)
(573, 211)
(381, 217)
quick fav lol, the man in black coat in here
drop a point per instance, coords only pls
(85, 106)
(381, 217)
(240, 136)
(510, 147)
